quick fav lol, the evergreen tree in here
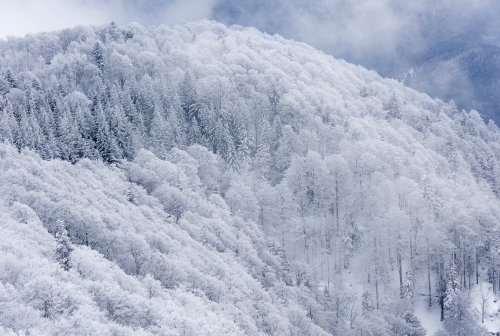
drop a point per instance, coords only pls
(407, 287)
(98, 55)
(208, 127)
(194, 136)
(13, 124)
(415, 324)
(5, 127)
(85, 122)
(188, 98)
(262, 162)
(452, 289)
(221, 140)
(37, 138)
(132, 113)
(239, 150)
(25, 132)
(159, 141)
(113, 32)
(229, 152)
(147, 101)
(105, 142)
(121, 130)
(175, 129)
(71, 144)
(393, 109)
(366, 303)
(50, 149)
(263, 143)
(9, 77)
(64, 247)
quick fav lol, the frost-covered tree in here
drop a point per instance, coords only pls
(64, 247)
(407, 287)
(98, 56)
(393, 108)
(452, 290)
(295, 167)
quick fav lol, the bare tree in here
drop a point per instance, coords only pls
(483, 301)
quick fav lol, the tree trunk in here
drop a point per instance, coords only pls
(400, 270)
(477, 269)
(306, 243)
(376, 271)
(441, 303)
(465, 283)
(468, 273)
(429, 279)
(493, 274)
(337, 206)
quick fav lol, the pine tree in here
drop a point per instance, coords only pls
(188, 98)
(98, 55)
(9, 77)
(414, 322)
(393, 109)
(105, 142)
(25, 132)
(194, 136)
(5, 128)
(407, 287)
(208, 127)
(262, 162)
(229, 152)
(452, 289)
(159, 134)
(366, 303)
(176, 130)
(50, 149)
(133, 115)
(14, 126)
(277, 132)
(263, 144)
(121, 130)
(37, 138)
(113, 32)
(147, 101)
(85, 122)
(71, 144)
(239, 150)
(64, 247)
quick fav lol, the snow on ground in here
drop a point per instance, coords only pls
(484, 293)
(429, 316)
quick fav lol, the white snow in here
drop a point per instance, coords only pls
(429, 316)
(484, 291)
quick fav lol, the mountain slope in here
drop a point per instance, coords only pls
(270, 187)
(134, 269)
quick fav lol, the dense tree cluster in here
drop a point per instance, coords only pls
(223, 181)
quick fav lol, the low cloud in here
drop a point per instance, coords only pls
(358, 30)
(390, 36)
(19, 17)
(369, 32)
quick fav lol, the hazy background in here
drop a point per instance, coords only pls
(448, 49)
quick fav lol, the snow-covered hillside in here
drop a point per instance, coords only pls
(204, 180)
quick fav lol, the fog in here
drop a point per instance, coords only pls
(392, 37)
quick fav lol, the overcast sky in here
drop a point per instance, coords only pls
(344, 28)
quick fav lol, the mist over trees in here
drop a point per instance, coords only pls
(204, 180)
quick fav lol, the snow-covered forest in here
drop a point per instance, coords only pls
(205, 180)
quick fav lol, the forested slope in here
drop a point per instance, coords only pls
(224, 181)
